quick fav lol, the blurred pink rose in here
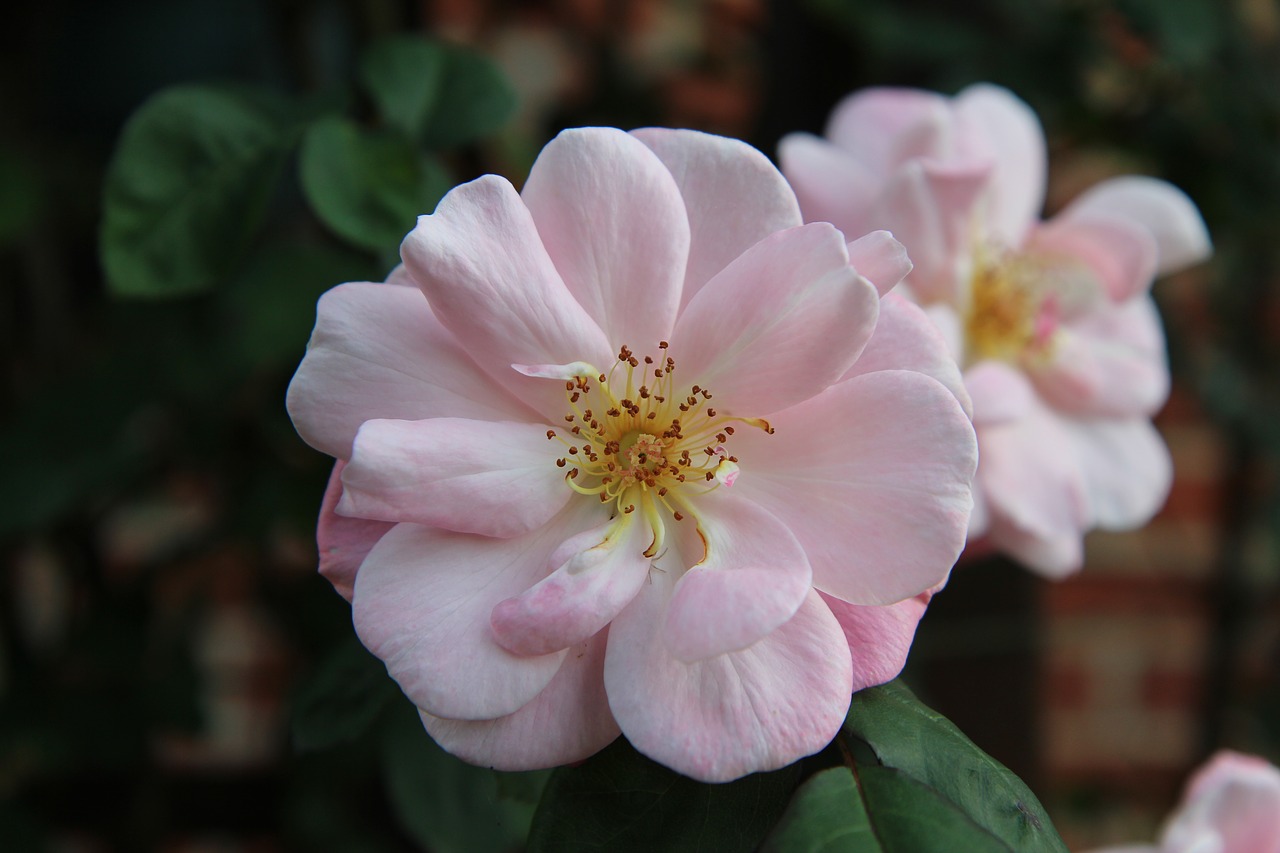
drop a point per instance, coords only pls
(1060, 343)
(1231, 805)
(636, 450)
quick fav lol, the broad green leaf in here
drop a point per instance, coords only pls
(826, 815)
(909, 817)
(912, 738)
(444, 803)
(187, 188)
(368, 186)
(440, 94)
(620, 801)
(342, 698)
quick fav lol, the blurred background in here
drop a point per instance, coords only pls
(174, 675)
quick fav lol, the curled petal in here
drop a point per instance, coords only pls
(343, 542)
(597, 574)
(379, 352)
(880, 259)
(1159, 207)
(723, 717)
(753, 578)
(879, 637)
(568, 721)
(494, 478)
(830, 185)
(1120, 254)
(482, 264)
(779, 324)
(614, 224)
(733, 195)
(884, 127)
(422, 603)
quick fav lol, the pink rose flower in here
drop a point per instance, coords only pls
(1231, 805)
(1051, 322)
(636, 450)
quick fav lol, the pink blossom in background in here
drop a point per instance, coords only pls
(636, 450)
(1231, 805)
(1051, 321)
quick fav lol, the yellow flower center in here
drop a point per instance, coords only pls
(1013, 309)
(634, 440)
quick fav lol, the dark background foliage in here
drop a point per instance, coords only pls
(173, 673)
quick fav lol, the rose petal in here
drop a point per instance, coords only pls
(880, 259)
(879, 637)
(906, 339)
(379, 352)
(1234, 800)
(885, 127)
(615, 226)
(830, 184)
(1012, 140)
(568, 721)
(872, 477)
(494, 478)
(343, 542)
(721, 718)
(1126, 467)
(597, 574)
(734, 197)
(1161, 208)
(422, 603)
(1120, 254)
(482, 264)
(779, 324)
(753, 578)
(1000, 392)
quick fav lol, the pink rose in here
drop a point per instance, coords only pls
(636, 450)
(1231, 805)
(1051, 322)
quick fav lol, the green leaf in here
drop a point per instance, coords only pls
(908, 736)
(444, 803)
(342, 699)
(909, 817)
(440, 94)
(618, 800)
(187, 188)
(826, 815)
(369, 187)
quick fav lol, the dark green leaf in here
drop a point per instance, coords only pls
(444, 803)
(342, 698)
(441, 95)
(187, 188)
(368, 186)
(826, 815)
(618, 800)
(922, 744)
(909, 817)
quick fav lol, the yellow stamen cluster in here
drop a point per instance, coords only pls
(1012, 311)
(634, 441)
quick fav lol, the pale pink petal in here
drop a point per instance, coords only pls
(779, 324)
(1159, 207)
(1109, 362)
(948, 323)
(721, 718)
(753, 578)
(830, 184)
(1000, 392)
(733, 195)
(879, 637)
(885, 127)
(568, 721)
(615, 226)
(1234, 800)
(872, 476)
(482, 265)
(906, 339)
(379, 352)
(1036, 494)
(343, 542)
(880, 259)
(1014, 142)
(597, 573)
(422, 603)
(1126, 467)
(400, 276)
(494, 478)
(930, 209)
(1120, 254)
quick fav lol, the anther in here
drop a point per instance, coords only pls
(677, 516)
(711, 413)
(560, 463)
(663, 345)
(551, 434)
(629, 508)
(573, 472)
